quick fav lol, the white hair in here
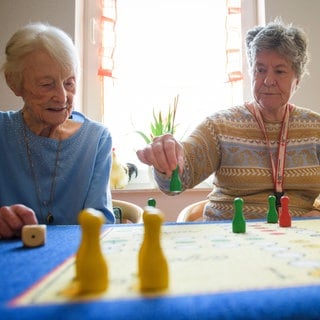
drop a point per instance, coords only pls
(35, 36)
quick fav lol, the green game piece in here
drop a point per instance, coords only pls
(272, 214)
(238, 221)
(151, 202)
(175, 183)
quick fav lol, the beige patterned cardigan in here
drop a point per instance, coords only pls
(231, 145)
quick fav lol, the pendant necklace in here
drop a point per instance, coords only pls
(48, 204)
(278, 167)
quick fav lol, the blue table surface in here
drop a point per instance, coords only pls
(21, 267)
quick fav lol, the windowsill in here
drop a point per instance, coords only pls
(149, 187)
(143, 182)
(139, 193)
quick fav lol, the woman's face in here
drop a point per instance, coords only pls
(48, 90)
(273, 80)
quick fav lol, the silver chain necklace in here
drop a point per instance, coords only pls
(48, 204)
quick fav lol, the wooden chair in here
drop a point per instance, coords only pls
(130, 212)
(192, 212)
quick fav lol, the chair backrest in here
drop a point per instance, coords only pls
(193, 212)
(130, 212)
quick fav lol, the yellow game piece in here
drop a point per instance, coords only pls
(153, 266)
(91, 266)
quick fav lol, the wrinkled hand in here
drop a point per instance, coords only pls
(13, 218)
(164, 154)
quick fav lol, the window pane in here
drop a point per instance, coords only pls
(164, 49)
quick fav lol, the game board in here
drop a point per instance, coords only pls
(203, 258)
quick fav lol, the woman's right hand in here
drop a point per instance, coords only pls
(164, 154)
(13, 218)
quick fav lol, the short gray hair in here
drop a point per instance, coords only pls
(36, 36)
(289, 41)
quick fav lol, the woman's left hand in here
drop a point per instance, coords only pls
(13, 218)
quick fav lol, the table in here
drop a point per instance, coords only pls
(21, 268)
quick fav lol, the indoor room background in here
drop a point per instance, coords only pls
(75, 16)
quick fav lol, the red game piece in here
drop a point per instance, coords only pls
(284, 214)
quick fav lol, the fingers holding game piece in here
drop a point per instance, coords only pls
(164, 154)
(13, 218)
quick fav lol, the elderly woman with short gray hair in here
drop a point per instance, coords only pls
(265, 147)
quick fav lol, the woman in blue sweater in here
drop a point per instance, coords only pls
(54, 161)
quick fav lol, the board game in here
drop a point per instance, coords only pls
(203, 258)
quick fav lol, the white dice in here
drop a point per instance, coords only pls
(34, 235)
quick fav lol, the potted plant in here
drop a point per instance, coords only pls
(161, 123)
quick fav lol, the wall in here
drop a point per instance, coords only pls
(303, 13)
(15, 14)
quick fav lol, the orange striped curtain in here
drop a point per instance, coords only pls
(233, 41)
(108, 39)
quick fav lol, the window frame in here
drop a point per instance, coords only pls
(90, 86)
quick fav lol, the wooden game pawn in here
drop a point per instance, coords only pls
(272, 214)
(284, 214)
(152, 202)
(152, 264)
(175, 182)
(91, 266)
(238, 221)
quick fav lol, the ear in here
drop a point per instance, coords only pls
(12, 84)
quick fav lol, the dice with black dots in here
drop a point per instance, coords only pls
(34, 235)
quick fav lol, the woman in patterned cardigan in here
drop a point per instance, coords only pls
(266, 146)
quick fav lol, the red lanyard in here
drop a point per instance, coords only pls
(278, 168)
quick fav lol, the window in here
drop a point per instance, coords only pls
(165, 48)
